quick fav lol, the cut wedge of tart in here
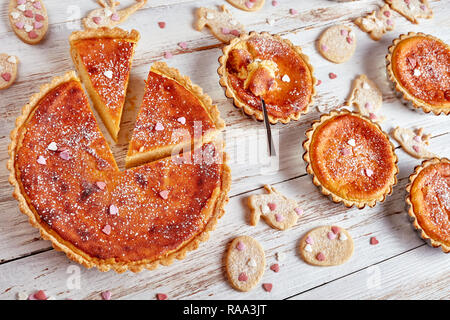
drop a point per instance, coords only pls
(418, 66)
(175, 116)
(350, 158)
(261, 65)
(103, 60)
(428, 200)
(68, 184)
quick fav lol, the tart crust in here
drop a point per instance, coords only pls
(161, 68)
(400, 89)
(214, 207)
(421, 232)
(360, 204)
(111, 123)
(230, 93)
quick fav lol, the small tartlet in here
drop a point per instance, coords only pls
(400, 46)
(414, 196)
(381, 174)
(230, 92)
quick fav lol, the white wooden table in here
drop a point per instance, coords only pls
(401, 266)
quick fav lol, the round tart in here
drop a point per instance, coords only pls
(350, 158)
(67, 182)
(260, 65)
(417, 64)
(428, 201)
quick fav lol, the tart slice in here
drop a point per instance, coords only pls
(350, 158)
(260, 65)
(103, 60)
(428, 201)
(417, 64)
(175, 115)
(67, 183)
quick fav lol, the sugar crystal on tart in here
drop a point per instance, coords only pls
(260, 65)
(175, 113)
(417, 65)
(350, 158)
(68, 184)
(103, 59)
(428, 201)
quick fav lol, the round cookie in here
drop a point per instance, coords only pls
(245, 263)
(247, 5)
(8, 70)
(28, 19)
(337, 44)
(326, 246)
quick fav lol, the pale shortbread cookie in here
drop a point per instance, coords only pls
(414, 143)
(247, 5)
(245, 263)
(28, 19)
(377, 23)
(221, 23)
(278, 211)
(326, 246)
(412, 9)
(108, 15)
(367, 97)
(337, 43)
(8, 70)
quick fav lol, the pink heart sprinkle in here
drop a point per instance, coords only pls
(242, 277)
(159, 126)
(164, 194)
(417, 139)
(235, 33)
(31, 297)
(38, 25)
(416, 148)
(32, 34)
(64, 154)
(115, 17)
(349, 40)
(19, 24)
(407, 1)
(309, 240)
(320, 256)
(324, 48)
(387, 13)
(279, 217)
(106, 229)
(389, 22)
(39, 17)
(319, 82)
(37, 5)
(162, 24)
(293, 11)
(373, 241)
(168, 55)
(42, 160)
(101, 185)
(267, 287)
(6, 76)
(181, 120)
(274, 3)
(298, 211)
(275, 267)
(331, 235)
(335, 229)
(40, 295)
(97, 20)
(372, 116)
(249, 4)
(332, 75)
(272, 206)
(182, 45)
(161, 296)
(113, 210)
(368, 106)
(240, 246)
(422, 7)
(344, 32)
(106, 295)
(28, 14)
(19, 2)
(225, 30)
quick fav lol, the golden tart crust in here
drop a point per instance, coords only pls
(172, 102)
(350, 159)
(103, 59)
(428, 201)
(417, 85)
(292, 87)
(70, 197)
